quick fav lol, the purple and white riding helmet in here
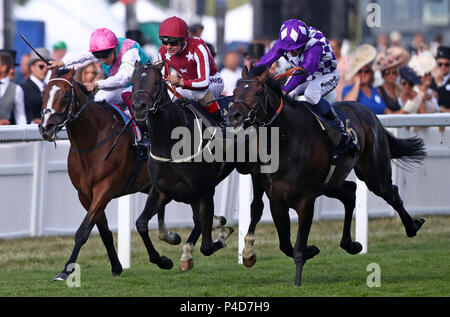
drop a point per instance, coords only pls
(293, 35)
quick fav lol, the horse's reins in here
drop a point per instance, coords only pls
(157, 106)
(252, 114)
(69, 117)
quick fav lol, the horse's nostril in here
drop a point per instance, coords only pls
(237, 116)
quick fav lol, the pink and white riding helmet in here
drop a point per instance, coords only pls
(102, 39)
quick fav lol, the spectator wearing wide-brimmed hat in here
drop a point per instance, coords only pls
(441, 82)
(409, 99)
(361, 73)
(388, 63)
(423, 64)
(34, 85)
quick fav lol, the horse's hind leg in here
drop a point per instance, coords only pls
(346, 194)
(303, 252)
(165, 235)
(204, 208)
(377, 175)
(256, 211)
(107, 238)
(280, 216)
(155, 201)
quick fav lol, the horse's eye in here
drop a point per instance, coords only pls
(66, 95)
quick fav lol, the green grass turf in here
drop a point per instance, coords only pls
(416, 266)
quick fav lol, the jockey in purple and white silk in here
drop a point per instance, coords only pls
(308, 48)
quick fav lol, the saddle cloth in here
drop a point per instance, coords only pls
(332, 128)
(135, 131)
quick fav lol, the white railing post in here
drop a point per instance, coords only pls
(362, 221)
(39, 182)
(245, 199)
(124, 231)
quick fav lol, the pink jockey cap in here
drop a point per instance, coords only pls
(102, 39)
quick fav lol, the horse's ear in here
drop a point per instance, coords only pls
(71, 73)
(245, 72)
(160, 65)
(264, 76)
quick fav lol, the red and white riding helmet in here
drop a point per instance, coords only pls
(102, 39)
(174, 27)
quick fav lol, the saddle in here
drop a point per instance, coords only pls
(332, 128)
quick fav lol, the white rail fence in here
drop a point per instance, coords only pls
(37, 197)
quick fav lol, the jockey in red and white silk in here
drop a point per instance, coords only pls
(197, 75)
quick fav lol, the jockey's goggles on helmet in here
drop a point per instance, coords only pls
(174, 41)
(102, 54)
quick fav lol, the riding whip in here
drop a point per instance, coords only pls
(37, 53)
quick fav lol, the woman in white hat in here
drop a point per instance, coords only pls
(362, 73)
(388, 63)
(423, 64)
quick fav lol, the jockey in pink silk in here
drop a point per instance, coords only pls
(117, 58)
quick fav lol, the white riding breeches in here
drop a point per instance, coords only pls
(112, 96)
(312, 91)
(216, 86)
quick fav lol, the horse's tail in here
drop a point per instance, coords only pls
(406, 152)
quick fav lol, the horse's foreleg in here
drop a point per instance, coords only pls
(163, 234)
(98, 204)
(256, 211)
(346, 195)
(155, 201)
(302, 252)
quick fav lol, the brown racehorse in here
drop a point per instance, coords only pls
(305, 156)
(92, 128)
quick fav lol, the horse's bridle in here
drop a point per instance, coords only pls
(67, 115)
(263, 104)
(156, 106)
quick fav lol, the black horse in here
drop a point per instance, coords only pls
(188, 178)
(305, 162)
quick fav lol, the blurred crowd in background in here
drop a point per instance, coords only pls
(387, 76)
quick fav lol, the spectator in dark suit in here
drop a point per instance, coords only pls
(34, 86)
(12, 108)
(441, 82)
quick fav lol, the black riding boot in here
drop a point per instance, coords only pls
(145, 141)
(346, 144)
(220, 120)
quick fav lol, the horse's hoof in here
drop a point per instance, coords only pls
(219, 221)
(61, 277)
(163, 262)
(417, 225)
(311, 251)
(250, 261)
(352, 247)
(172, 238)
(186, 265)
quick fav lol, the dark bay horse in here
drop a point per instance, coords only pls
(185, 179)
(92, 128)
(305, 161)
